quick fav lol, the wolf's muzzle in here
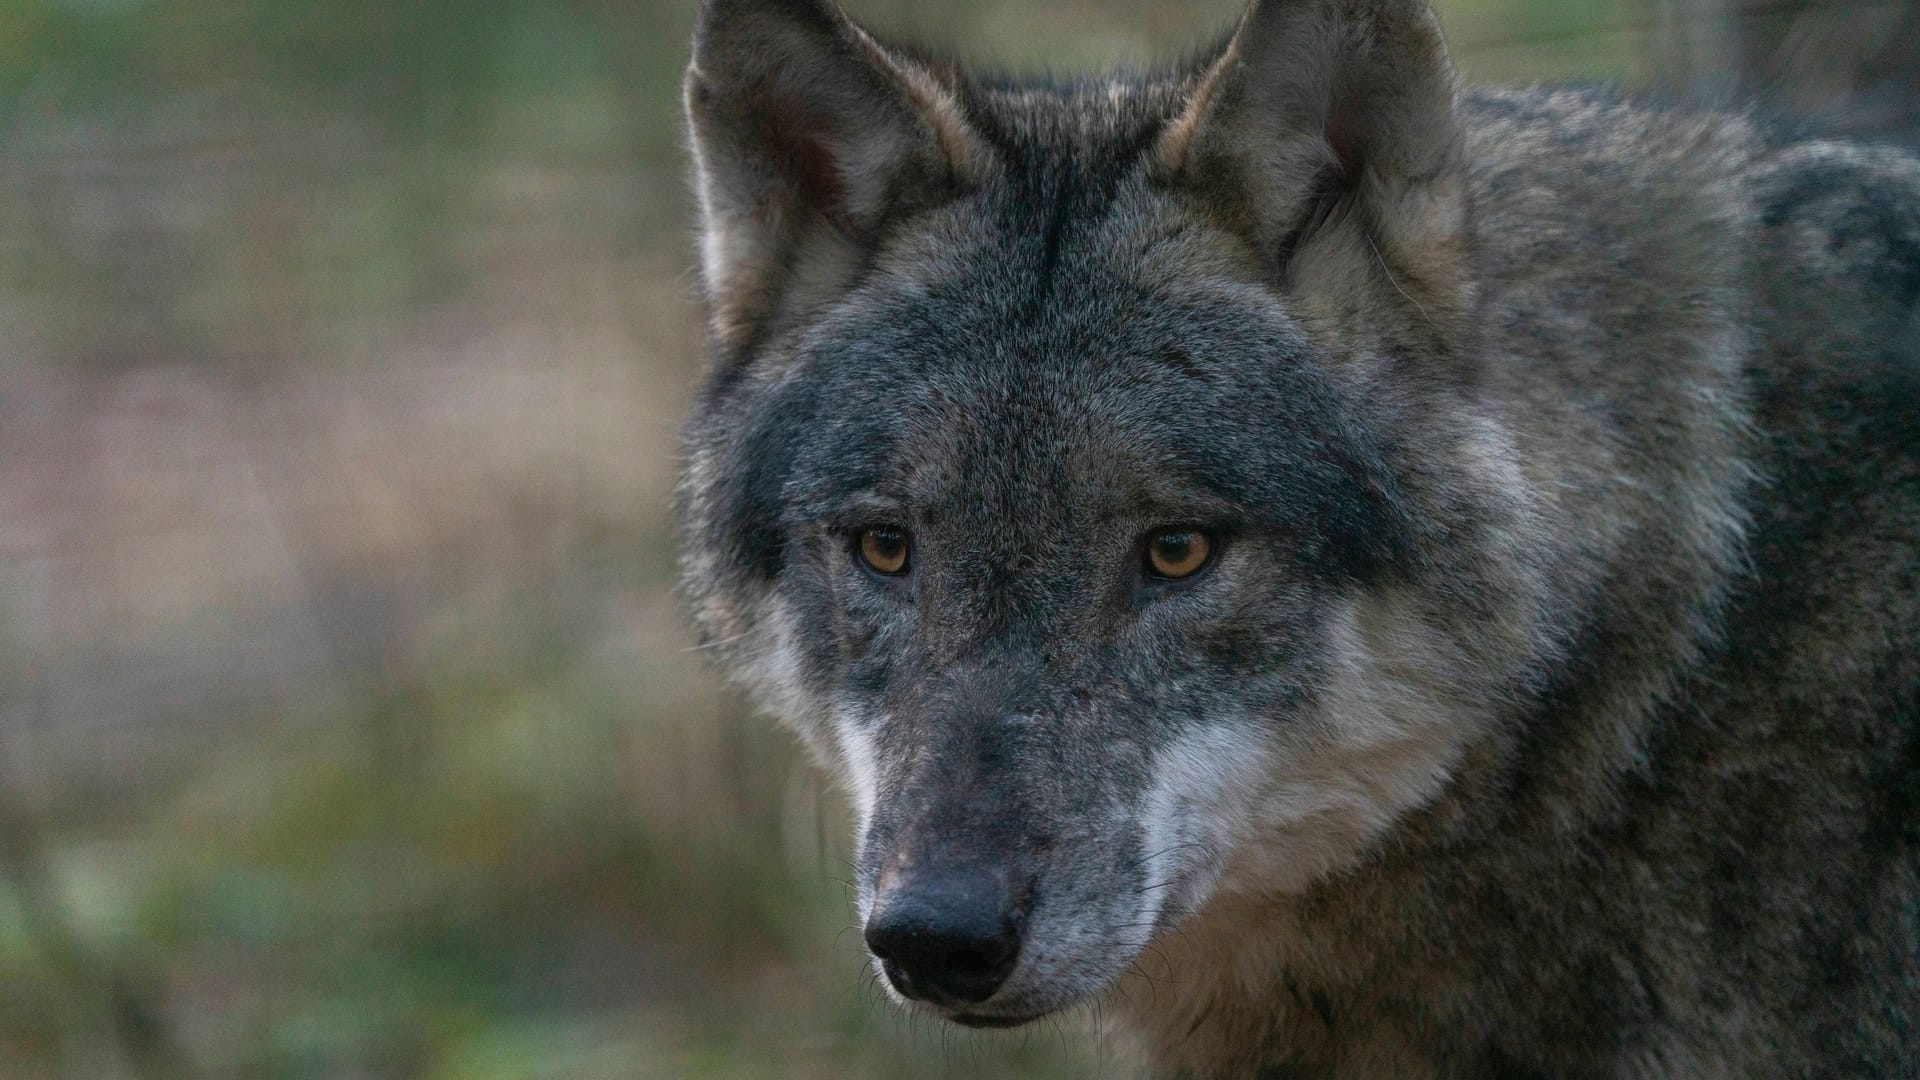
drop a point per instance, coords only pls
(948, 937)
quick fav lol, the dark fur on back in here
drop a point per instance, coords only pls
(1551, 704)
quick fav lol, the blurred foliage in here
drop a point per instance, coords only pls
(348, 727)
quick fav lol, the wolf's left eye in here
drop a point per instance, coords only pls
(1178, 553)
(883, 550)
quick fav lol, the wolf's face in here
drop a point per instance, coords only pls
(1064, 522)
(1053, 584)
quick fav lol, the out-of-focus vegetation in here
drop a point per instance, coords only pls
(348, 726)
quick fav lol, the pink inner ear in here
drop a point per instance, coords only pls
(803, 147)
(1343, 136)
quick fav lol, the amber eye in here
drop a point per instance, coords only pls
(1177, 553)
(883, 550)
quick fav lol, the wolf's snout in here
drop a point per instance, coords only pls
(950, 938)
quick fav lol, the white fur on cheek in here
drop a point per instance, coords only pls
(860, 769)
(771, 673)
(770, 669)
(1202, 787)
(1389, 726)
(1247, 804)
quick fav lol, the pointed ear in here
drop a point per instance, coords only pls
(807, 136)
(1325, 131)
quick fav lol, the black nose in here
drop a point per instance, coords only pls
(950, 938)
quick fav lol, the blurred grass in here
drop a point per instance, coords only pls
(348, 727)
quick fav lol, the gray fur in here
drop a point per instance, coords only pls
(1552, 704)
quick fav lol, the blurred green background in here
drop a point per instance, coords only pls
(348, 723)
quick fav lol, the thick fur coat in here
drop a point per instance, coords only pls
(1546, 699)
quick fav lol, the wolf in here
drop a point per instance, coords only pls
(1360, 576)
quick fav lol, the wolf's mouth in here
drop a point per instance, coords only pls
(981, 1020)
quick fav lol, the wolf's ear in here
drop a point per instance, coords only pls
(1325, 130)
(807, 135)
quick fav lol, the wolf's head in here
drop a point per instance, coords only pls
(1090, 474)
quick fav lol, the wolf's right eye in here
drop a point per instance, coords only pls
(883, 551)
(1178, 553)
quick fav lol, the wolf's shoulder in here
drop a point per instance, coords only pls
(1595, 167)
(1620, 148)
(1651, 205)
(1845, 216)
